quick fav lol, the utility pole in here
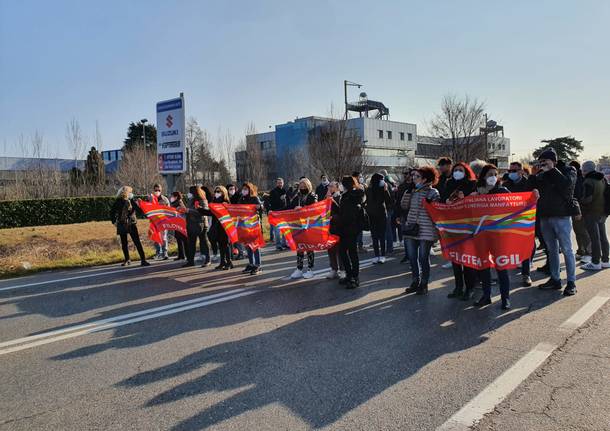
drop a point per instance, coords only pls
(144, 121)
(345, 84)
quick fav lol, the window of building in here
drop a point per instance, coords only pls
(389, 134)
(409, 136)
(380, 134)
(402, 136)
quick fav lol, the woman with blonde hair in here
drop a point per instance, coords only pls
(305, 196)
(249, 196)
(123, 215)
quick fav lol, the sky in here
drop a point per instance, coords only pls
(541, 67)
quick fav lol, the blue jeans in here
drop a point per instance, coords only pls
(254, 257)
(280, 241)
(161, 250)
(557, 233)
(419, 256)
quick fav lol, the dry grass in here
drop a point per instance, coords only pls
(32, 249)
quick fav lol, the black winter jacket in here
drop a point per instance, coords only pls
(378, 199)
(556, 189)
(452, 186)
(277, 199)
(301, 200)
(350, 206)
(517, 187)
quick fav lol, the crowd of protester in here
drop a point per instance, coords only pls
(572, 198)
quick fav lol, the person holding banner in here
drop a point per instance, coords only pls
(157, 197)
(177, 201)
(303, 197)
(196, 227)
(217, 232)
(350, 214)
(249, 196)
(123, 216)
(461, 184)
(488, 183)
(336, 264)
(419, 227)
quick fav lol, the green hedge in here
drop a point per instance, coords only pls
(41, 212)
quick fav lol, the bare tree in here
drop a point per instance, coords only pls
(335, 149)
(194, 139)
(74, 139)
(138, 169)
(458, 126)
(257, 162)
(98, 137)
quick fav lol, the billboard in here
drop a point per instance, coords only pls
(170, 136)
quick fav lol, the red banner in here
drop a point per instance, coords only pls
(241, 223)
(306, 229)
(483, 231)
(161, 218)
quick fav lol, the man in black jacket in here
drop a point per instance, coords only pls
(444, 166)
(322, 188)
(277, 202)
(556, 207)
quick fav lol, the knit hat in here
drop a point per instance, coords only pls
(588, 166)
(549, 154)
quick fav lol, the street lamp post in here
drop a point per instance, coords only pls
(144, 121)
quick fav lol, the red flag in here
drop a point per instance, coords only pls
(306, 229)
(483, 231)
(161, 218)
(241, 223)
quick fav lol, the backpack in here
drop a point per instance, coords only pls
(607, 198)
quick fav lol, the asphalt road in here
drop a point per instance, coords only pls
(167, 348)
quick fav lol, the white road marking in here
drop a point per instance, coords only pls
(116, 321)
(77, 277)
(493, 394)
(585, 312)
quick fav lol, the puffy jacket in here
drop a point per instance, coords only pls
(414, 203)
(378, 199)
(321, 191)
(453, 187)
(556, 189)
(402, 189)
(350, 206)
(123, 214)
(592, 201)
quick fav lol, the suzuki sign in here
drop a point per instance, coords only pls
(170, 136)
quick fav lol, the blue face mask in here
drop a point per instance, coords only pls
(514, 176)
(419, 185)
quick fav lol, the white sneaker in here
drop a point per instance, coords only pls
(340, 274)
(332, 275)
(447, 265)
(296, 274)
(215, 258)
(381, 259)
(592, 266)
(375, 260)
(586, 259)
(308, 274)
(605, 264)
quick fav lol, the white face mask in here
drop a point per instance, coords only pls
(130, 196)
(231, 192)
(491, 181)
(341, 188)
(172, 199)
(458, 175)
(325, 182)
(245, 192)
(217, 195)
(157, 194)
(381, 183)
(189, 195)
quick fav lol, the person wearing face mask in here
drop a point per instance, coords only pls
(556, 206)
(488, 183)
(197, 227)
(304, 197)
(419, 227)
(461, 184)
(516, 182)
(361, 184)
(350, 213)
(233, 194)
(378, 200)
(217, 232)
(234, 197)
(406, 186)
(322, 188)
(583, 241)
(123, 216)
(336, 265)
(176, 200)
(157, 197)
(249, 196)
